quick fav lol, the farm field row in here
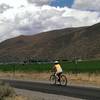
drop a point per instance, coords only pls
(78, 67)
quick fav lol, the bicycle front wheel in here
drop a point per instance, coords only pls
(63, 80)
(52, 79)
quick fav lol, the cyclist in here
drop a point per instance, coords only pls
(57, 69)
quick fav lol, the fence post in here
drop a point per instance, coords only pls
(14, 71)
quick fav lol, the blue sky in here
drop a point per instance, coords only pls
(62, 3)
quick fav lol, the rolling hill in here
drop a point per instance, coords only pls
(82, 42)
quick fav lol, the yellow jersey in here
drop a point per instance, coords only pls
(58, 68)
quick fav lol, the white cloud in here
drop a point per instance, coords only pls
(6, 30)
(93, 5)
(23, 18)
(14, 3)
(40, 2)
(4, 7)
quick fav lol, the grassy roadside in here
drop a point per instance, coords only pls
(81, 78)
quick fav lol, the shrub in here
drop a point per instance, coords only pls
(6, 91)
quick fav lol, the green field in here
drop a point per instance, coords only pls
(82, 66)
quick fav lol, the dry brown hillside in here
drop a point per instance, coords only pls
(83, 42)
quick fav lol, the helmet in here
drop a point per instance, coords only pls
(56, 62)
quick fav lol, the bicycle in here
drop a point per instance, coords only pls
(54, 79)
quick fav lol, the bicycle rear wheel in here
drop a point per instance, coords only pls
(63, 80)
(52, 79)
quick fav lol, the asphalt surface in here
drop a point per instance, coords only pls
(87, 93)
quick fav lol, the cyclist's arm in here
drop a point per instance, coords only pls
(54, 69)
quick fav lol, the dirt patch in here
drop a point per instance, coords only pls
(34, 95)
(16, 98)
(20, 98)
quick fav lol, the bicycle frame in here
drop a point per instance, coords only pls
(54, 79)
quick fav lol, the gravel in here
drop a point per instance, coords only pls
(33, 95)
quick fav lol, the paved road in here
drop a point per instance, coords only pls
(86, 93)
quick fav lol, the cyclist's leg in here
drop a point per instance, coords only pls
(59, 75)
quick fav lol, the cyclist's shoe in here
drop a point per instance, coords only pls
(58, 80)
